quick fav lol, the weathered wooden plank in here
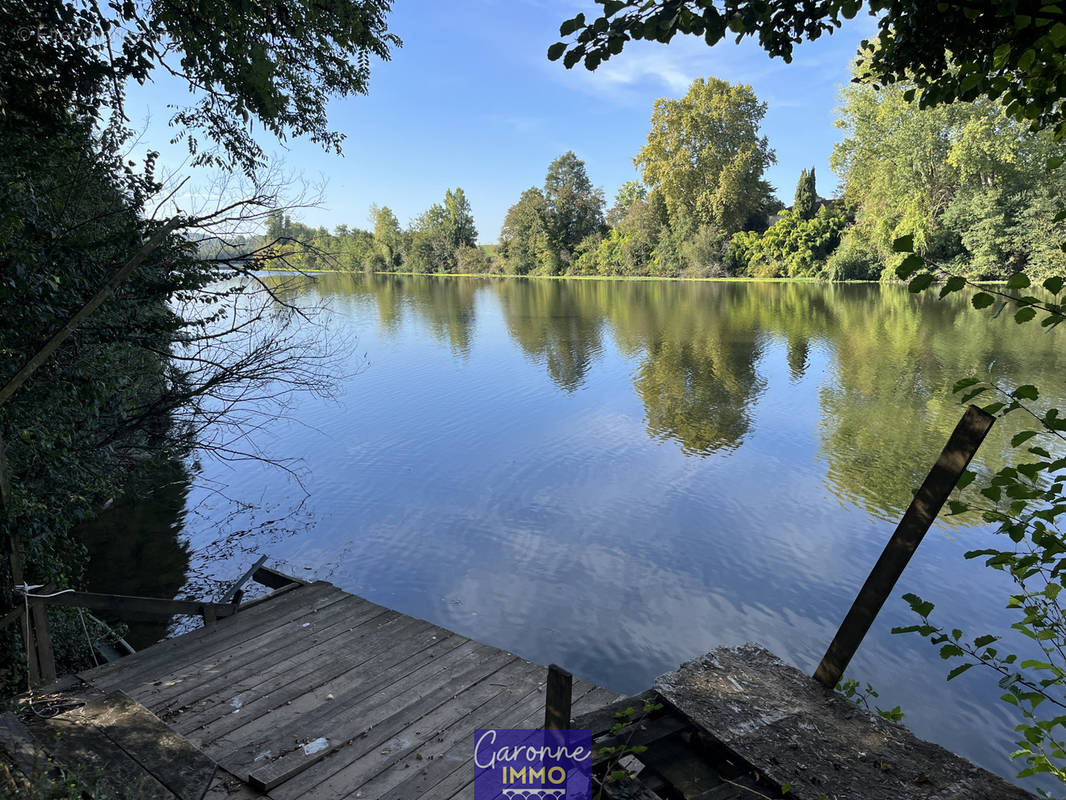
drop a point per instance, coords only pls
(216, 657)
(435, 773)
(796, 731)
(181, 651)
(379, 662)
(920, 514)
(458, 782)
(255, 669)
(252, 655)
(447, 747)
(603, 718)
(17, 742)
(397, 704)
(248, 619)
(596, 698)
(166, 755)
(129, 607)
(97, 763)
(458, 714)
(327, 669)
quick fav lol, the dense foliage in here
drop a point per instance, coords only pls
(968, 182)
(1006, 50)
(182, 353)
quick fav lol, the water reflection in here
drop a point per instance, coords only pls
(136, 546)
(619, 475)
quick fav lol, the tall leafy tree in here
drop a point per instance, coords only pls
(575, 208)
(705, 155)
(460, 219)
(805, 203)
(525, 240)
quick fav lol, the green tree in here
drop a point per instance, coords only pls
(460, 219)
(575, 208)
(525, 240)
(388, 238)
(964, 179)
(705, 155)
(628, 193)
(805, 204)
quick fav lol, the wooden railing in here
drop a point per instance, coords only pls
(38, 640)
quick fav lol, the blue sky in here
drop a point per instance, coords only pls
(471, 100)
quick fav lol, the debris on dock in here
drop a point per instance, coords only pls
(795, 731)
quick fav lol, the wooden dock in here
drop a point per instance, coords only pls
(310, 692)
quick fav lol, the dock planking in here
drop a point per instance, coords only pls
(310, 692)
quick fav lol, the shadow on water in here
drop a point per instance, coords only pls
(135, 546)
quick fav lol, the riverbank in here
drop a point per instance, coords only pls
(630, 278)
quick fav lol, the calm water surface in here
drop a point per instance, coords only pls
(618, 476)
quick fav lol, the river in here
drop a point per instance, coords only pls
(616, 476)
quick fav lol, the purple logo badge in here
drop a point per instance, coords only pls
(535, 764)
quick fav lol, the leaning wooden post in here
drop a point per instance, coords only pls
(557, 698)
(956, 455)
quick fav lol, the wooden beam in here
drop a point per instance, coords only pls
(46, 657)
(558, 694)
(229, 596)
(128, 607)
(934, 491)
(272, 579)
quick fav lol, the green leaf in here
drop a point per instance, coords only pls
(982, 300)
(1022, 437)
(555, 52)
(953, 284)
(965, 479)
(1018, 280)
(965, 383)
(1026, 392)
(993, 408)
(958, 671)
(612, 7)
(904, 244)
(921, 282)
(950, 651)
(909, 265)
(1054, 284)
(1024, 315)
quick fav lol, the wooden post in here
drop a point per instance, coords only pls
(46, 659)
(955, 457)
(558, 695)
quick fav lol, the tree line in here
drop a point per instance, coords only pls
(966, 179)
